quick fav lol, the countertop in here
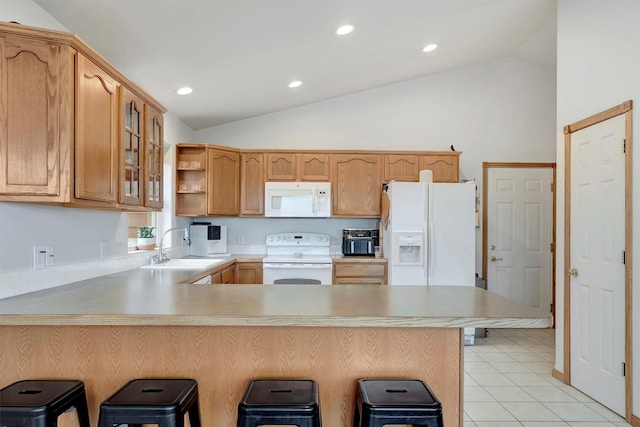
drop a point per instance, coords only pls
(155, 297)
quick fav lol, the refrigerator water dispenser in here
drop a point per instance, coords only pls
(408, 248)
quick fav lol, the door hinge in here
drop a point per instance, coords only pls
(624, 257)
(624, 369)
(624, 145)
(550, 247)
(552, 187)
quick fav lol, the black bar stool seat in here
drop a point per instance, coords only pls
(161, 401)
(395, 401)
(280, 402)
(39, 403)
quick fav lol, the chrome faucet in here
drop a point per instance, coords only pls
(162, 257)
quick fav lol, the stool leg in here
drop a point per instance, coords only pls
(194, 414)
(82, 411)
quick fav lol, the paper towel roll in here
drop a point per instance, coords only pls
(426, 176)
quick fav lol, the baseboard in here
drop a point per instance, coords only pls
(559, 376)
(634, 421)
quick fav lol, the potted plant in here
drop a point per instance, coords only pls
(146, 238)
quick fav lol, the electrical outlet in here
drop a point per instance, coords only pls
(39, 257)
(50, 255)
(103, 248)
(241, 239)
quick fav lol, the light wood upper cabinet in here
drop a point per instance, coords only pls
(96, 145)
(292, 166)
(281, 166)
(34, 135)
(407, 166)
(153, 157)
(223, 182)
(132, 150)
(445, 166)
(314, 166)
(356, 184)
(401, 167)
(251, 184)
(191, 180)
(69, 131)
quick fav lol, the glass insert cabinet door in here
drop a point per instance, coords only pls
(154, 161)
(132, 164)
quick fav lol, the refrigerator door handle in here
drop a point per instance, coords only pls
(426, 249)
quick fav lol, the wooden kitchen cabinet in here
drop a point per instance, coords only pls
(34, 136)
(132, 150)
(251, 184)
(281, 166)
(96, 145)
(228, 275)
(356, 184)
(63, 131)
(445, 166)
(154, 158)
(248, 273)
(297, 166)
(407, 166)
(224, 277)
(223, 182)
(191, 180)
(360, 271)
(401, 167)
(314, 166)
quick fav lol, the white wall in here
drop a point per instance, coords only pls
(598, 68)
(503, 110)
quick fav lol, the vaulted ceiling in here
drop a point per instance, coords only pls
(240, 55)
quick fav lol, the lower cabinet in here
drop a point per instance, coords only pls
(248, 273)
(361, 271)
(241, 271)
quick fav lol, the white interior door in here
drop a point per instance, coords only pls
(519, 234)
(597, 241)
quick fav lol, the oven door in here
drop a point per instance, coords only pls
(296, 273)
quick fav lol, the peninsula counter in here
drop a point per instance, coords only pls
(107, 331)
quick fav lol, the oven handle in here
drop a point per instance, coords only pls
(296, 266)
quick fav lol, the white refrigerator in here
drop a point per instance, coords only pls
(429, 237)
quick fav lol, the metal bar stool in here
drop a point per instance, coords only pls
(39, 403)
(280, 402)
(395, 401)
(161, 401)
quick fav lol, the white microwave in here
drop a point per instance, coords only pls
(297, 199)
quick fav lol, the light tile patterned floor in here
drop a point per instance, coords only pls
(508, 383)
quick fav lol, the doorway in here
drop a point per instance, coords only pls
(518, 257)
(597, 273)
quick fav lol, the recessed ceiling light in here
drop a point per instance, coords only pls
(184, 91)
(344, 29)
(295, 83)
(430, 47)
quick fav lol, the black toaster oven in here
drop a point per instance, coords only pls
(359, 242)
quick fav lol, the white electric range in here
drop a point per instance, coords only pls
(297, 259)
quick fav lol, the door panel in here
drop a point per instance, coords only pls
(597, 242)
(519, 231)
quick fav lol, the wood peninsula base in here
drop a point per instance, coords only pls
(224, 359)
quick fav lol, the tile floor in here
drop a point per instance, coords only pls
(508, 383)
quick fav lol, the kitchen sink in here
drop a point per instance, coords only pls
(186, 264)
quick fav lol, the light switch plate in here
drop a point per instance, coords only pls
(39, 257)
(50, 256)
